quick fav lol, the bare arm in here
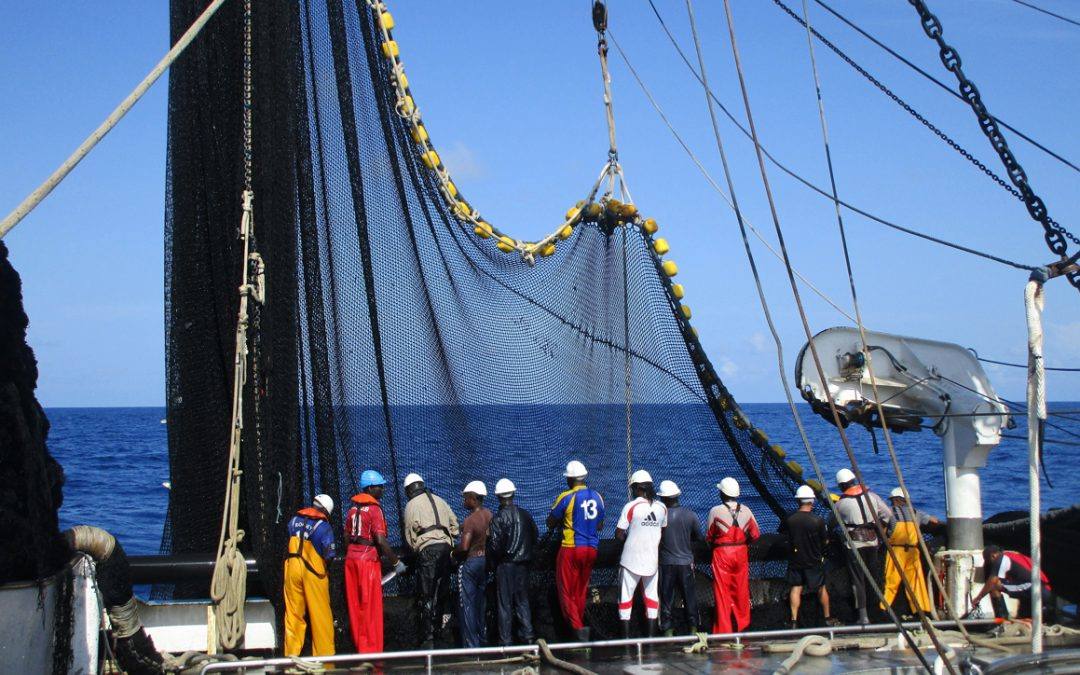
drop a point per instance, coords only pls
(384, 547)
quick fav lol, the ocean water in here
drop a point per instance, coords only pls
(116, 462)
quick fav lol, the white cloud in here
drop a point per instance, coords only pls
(728, 368)
(460, 161)
(759, 342)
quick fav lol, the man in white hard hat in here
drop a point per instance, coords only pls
(306, 589)
(640, 527)
(579, 512)
(857, 507)
(430, 530)
(677, 559)
(731, 529)
(510, 549)
(472, 575)
(808, 537)
(904, 542)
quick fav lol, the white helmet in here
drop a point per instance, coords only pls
(413, 478)
(505, 486)
(476, 487)
(575, 469)
(324, 502)
(897, 492)
(729, 486)
(668, 488)
(640, 476)
(805, 493)
(844, 476)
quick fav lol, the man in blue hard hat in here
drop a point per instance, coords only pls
(365, 533)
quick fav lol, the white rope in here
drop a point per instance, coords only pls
(814, 645)
(43, 190)
(1034, 301)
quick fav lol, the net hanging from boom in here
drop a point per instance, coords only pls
(397, 333)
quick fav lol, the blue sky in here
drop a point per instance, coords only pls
(511, 96)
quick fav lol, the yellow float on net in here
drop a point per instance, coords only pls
(677, 291)
(430, 159)
(760, 438)
(390, 49)
(483, 230)
(386, 20)
(694, 331)
(402, 80)
(661, 246)
(670, 268)
(628, 211)
(548, 250)
(815, 485)
(778, 451)
(573, 212)
(566, 231)
(686, 311)
(592, 211)
(419, 133)
(463, 209)
(794, 467)
(451, 189)
(650, 226)
(613, 205)
(506, 245)
(407, 105)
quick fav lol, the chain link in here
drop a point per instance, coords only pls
(1054, 233)
(247, 90)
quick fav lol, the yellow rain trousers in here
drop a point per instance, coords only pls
(307, 591)
(904, 542)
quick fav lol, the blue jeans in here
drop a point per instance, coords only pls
(472, 601)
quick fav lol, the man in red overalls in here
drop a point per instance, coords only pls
(365, 532)
(731, 528)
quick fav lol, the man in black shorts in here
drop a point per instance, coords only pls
(808, 537)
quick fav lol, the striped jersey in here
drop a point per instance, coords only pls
(581, 510)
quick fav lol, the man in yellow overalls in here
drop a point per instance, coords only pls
(904, 542)
(307, 589)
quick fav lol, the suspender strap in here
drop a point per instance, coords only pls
(300, 554)
(438, 521)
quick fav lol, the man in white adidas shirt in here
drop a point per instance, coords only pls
(639, 527)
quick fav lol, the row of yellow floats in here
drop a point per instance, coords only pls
(608, 209)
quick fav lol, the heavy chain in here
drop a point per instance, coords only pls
(1054, 233)
(247, 89)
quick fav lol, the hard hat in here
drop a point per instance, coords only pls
(844, 476)
(897, 492)
(575, 469)
(640, 476)
(413, 478)
(805, 492)
(668, 488)
(324, 502)
(505, 486)
(729, 486)
(371, 477)
(476, 487)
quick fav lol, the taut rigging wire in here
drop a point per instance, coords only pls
(790, 172)
(942, 652)
(1048, 12)
(931, 78)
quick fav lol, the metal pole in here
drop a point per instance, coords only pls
(43, 190)
(1036, 400)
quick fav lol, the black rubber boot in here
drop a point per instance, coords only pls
(625, 627)
(652, 629)
(582, 634)
(1001, 611)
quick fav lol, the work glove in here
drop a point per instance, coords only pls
(399, 568)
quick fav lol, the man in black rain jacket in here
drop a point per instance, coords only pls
(511, 541)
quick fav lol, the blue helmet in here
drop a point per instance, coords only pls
(371, 477)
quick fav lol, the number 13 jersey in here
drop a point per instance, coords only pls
(581, 510)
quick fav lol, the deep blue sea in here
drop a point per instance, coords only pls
(116, 462)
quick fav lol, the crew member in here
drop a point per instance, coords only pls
(472, 575)
(510, 548)
(640, 527)
(579, 511)
(904, 542)
(307, 590)
(807, 536)
(430, 530)
(1009, 573)
(857, 506)
(732, 528)
(365, 532)
(677, 559)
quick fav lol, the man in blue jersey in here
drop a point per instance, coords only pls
(579, 512)
(307, 589)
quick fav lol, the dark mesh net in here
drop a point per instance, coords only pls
(394, 338)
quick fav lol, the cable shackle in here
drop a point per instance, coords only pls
(1054, 233)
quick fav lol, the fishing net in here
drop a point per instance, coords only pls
(393, 337)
